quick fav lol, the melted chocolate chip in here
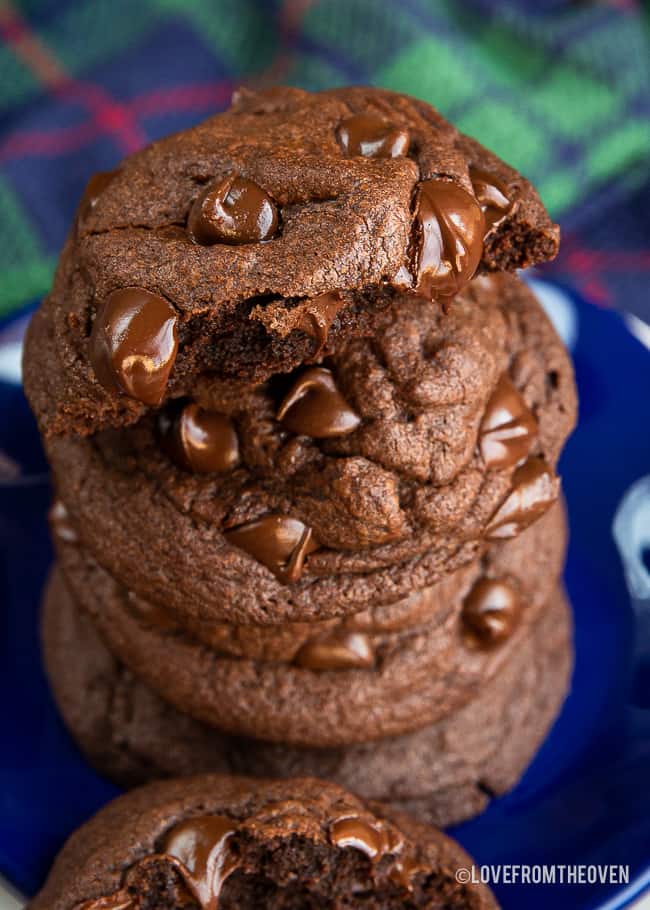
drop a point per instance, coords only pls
(133, 344)
(120, 900)
(533, 491)
(449, 229)
(234, 210)
(371, 136)
(201, 846)
(198, 440)
(94, 188)
(492, 195)
(375, 842)
(491, 612)
(314, 407)
(508, 427)
(60, 523)
(352, 832)
(403, 871)
(279, 542)
(342, 651)
(318, 320)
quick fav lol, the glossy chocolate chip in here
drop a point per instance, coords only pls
(448, 235)
(339, 651)
(133, 344)
(94, 188)
(234, 210)
(313, 406)
(534, 489)
(202, 847)
(491, 612)
(318, 319)
(508, 428)
(279, 542)
(371, 136)
(358, 834)
(120, 900)
(492, 195)
(199, 440)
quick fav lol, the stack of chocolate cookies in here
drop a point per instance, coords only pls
(304, 423)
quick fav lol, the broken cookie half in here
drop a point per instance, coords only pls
(216, 843)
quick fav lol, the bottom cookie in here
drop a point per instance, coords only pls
(218, 843)
(444, 773)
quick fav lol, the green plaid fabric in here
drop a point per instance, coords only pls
(559, 89)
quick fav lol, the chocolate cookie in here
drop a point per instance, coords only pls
(239, 246)
(444, 773)
(373, 684)
(454, 424)
(230, 842)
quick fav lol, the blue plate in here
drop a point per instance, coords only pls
(585, 799)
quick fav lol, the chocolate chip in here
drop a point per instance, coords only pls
(371, 136)
(313, 406)
(449, 228)
(94, 188)
(351, 831)
(133, 344)
(507, 429)
(279, 542)
(492, 195)
(491, 612)
(319, 315)
(203, 848)
(339, 651)
(199, 440)
(534, 489)
(234, 210)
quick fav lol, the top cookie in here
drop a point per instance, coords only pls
(244, 245)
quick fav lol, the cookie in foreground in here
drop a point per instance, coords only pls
(229, 842)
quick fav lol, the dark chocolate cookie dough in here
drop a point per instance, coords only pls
(461, 419)
(444, 773)
(252, 242)
(217, 843)
(338, 689)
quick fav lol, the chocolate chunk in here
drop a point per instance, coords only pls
(343, 651)
(372, 136)
(94, 188)
(449, 228)
(508, 427)
(313, 406)
(234, 210)
(534, 489)
(280, 542)
(201, 846)
(491, 612)
(492, 195)
(199, 440)
(133, 344)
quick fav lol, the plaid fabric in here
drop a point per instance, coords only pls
(560, 89)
